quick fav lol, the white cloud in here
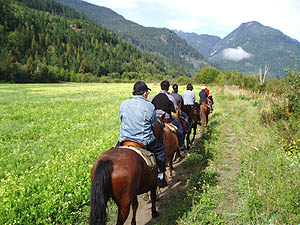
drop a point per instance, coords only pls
(235, 54)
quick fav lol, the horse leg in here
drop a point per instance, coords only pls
(203, 120)
(207, 119)
(171, 166)
(178, 154)
(153, 200)
(194, 133)
(134, 206)
(123, 211)
(188, 140)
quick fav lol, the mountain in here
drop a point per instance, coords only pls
(252, 46)
(160, 41)
(45, 41)
(248, 48)
(203, 43)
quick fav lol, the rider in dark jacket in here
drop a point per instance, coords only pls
(203, 95)
(165, 104)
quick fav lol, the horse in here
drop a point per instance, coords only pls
(121, 174)
(171, 145)
(193, 124)
(204, 111)
(177, 116)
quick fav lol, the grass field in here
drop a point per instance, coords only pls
(51, 134)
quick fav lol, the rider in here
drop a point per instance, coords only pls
(209, 99)
(189, 99)
(203, 95)
(138, 117)
(179, 100)
(165, 104)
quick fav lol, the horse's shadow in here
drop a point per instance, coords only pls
(171, 204)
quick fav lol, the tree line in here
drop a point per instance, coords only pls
(57, 44)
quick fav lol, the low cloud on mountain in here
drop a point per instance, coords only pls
(235, 54)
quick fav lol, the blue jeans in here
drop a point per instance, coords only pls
(179, 131)
(159, 152)
(186, 118)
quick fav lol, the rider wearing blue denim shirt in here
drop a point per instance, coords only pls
(138, 117)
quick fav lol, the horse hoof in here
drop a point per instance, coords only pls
(155, 214)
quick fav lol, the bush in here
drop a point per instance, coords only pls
(286, 112)
(207, 75)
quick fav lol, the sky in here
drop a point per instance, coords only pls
(214, 17)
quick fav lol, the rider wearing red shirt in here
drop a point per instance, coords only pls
(210, 99)
(207, 91)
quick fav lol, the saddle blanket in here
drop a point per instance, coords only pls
(147, 156)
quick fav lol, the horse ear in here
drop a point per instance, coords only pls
(163, 116)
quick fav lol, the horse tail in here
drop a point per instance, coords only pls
(101, 191)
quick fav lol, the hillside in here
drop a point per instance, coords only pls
(252, 46)
(203, 43)
(50, 42)
(160, 41)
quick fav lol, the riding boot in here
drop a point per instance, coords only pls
(161, 182)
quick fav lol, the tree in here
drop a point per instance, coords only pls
(207, 75)
(263, 76)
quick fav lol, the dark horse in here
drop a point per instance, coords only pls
(121, 174)
(204, 111)
(193, 124)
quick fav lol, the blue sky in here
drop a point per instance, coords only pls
(214, 17)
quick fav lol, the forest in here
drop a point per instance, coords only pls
(49, 42)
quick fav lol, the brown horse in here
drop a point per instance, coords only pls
(193, 124)
(121, 174)
(171, 145)
(204, 111)
(177, 116)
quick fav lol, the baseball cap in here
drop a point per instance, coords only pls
(140, 87)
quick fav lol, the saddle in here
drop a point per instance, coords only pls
(171, 126)
(140, 149)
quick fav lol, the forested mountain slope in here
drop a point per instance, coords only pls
(204, 43)
(161, 41)
(252, 46)
(248, 48)
(58, 43)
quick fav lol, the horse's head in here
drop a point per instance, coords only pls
(179, 106)
(194, 113)
(158, 130)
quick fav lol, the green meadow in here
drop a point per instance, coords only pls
(50, 136)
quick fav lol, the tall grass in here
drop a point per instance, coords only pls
(268, 180)
(50, 136)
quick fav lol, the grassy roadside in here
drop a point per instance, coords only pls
(240, 175)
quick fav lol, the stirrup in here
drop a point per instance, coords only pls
(162, 182)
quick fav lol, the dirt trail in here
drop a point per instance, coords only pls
(143, 216)
(227, 169)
